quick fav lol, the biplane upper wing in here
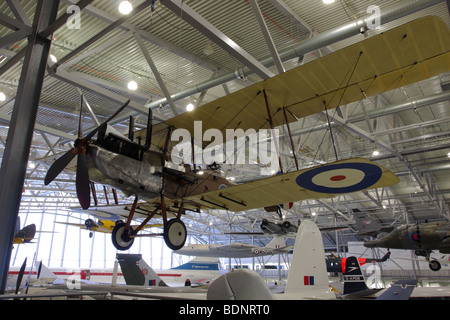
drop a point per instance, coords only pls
(402, 56)
(323, 181)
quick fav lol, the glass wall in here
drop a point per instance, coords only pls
(59, 245)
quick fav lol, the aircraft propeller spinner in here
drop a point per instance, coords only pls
(79, 149)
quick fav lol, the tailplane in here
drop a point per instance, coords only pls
(401, 290)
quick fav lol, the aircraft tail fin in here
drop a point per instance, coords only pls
(363, 224)
(308, 276)
(137, 272)
(353, 278)
(43, 272)
(401, 290)
(276, 243)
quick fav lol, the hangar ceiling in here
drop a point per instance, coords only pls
(180, 53)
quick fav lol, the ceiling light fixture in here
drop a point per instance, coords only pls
(125, 7)
(2, 96)
(190, 107)
(53, 58)
(376, 153)
(328, 1)
(132, 85)
(208, 49)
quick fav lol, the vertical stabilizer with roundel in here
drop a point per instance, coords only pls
(276, 243)
(137, 272)
(308, 278)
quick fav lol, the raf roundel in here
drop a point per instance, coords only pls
(340, 178)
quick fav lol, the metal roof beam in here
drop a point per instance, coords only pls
(271, 45)
(324, 39)
(182, 10)
(18, 12)
(102, 33)
(156, 73)
(57, 133)
(288, 13)
(21, 130)
(13, 24)
(147, 36)
(391, 150)
(63, 19)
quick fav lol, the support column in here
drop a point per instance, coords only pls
(20, 134)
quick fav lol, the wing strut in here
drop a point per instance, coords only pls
(290, 138)
(269, 114)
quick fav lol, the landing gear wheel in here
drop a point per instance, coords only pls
(434, 265)
(175, 234)
(121, 238)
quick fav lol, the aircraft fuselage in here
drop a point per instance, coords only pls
(124, 173)
(426, 236)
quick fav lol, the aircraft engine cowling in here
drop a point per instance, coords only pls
(271, 227)
(289, 227)
(123, 173)
(90, 224)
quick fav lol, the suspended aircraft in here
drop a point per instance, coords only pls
(338, 264)
(24, 235)
(366, 226)
(236, 250)
(280, 228)
(423, 238)
(395, 58)
(105, 226)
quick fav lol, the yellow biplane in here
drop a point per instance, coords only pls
(104, 226)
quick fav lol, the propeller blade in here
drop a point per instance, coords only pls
(93, 132)
(20, 276)
(79, 119)
(39, 270)
(82, 182)
(59, 165)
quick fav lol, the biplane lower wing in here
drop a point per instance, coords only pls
(324, 181)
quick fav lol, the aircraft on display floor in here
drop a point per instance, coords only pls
(307, 279)
(141, 281)
(235, 250)
(120, 162)
(423, 238)
(200, 271)
(355, 287)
